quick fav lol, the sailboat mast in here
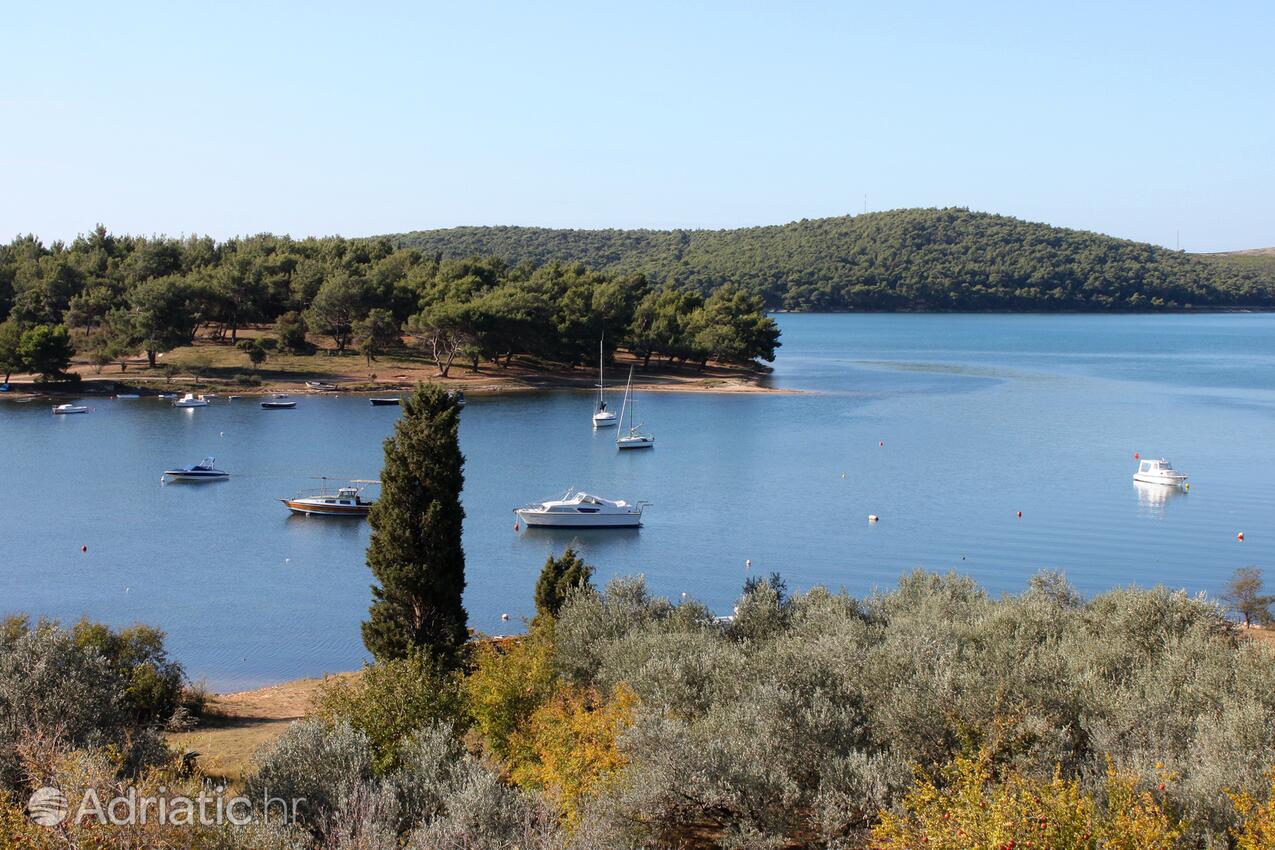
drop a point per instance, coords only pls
(624, 406)
(601, 377)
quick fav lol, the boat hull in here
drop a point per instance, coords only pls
(385, 402)
(605, 421)
(1175, 481)
(177, 475)
(70, 412)
(309, 508)
(538, 519)
(278, 405)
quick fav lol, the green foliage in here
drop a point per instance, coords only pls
(415, 552)
(291, 329)
(1244, 595)
(914, 259)
(336, 307)
(391, 699)
(558, 579)
(10, 355)
(377, 332)
(510, 679)
(153, 683)
(46, 350)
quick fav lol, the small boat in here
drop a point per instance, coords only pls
(233, 397)
(168, 396)
(278, 405)
(385, 402)
(457, 396)
(602, 418)
(64, 409)
(582, 510)
(278, 395)
(127, 395)
(320, 385)
(191, 400)
(202, 471)
(1159, 472)
(633, 439)
(346, 501)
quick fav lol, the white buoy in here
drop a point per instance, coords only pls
(504, 617)
(873, 517)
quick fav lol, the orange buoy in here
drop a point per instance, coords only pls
(1240, 537)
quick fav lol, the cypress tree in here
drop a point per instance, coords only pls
(558, 578)
(415, 553)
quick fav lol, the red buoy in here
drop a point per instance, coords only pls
(1020, 514)
(84, 548)
(1135, 456)
(515, 526)
(1240, 537)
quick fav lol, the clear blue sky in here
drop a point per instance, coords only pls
(359, 118)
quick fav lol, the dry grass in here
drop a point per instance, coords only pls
(235, 726)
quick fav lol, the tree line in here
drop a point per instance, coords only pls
(118, 295)
(912, 259)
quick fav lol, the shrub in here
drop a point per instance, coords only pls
(570, 746)
(969, 809)
(510, 680)
(391, 699)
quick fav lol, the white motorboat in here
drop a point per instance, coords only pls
(64, 409)
(202, 471)
(1159, 472)
(191, 400)
(634, 439)
(602, 418)
(347, 501)
(582, 510)
(321, 386)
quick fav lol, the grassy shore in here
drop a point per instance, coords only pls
(213, 366)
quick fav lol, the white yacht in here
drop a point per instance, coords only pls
(347, 501)
(202, 471)
(1159, 472)
(602, 418)
(634, 439)
(63, 409)
(191, 400)
(582, 510)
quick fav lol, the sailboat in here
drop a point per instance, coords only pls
(633, 439)
(602, 418)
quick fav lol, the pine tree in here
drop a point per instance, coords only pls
(557, 579)
(415, 553)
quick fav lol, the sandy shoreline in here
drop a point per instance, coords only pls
(215, 368)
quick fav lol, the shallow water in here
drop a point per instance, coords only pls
(981, 417)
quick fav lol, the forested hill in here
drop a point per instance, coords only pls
(915, 259)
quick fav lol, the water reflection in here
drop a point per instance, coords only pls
(1153, 499)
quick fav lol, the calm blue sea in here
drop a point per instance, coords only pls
(981, 417)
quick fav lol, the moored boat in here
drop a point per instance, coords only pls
(1159, 472)
(278, 405)
(202, 471)
(65, 409)
(191, 400)
(347, 501)
(385, 402)
(320, 386)
(582, 510)
(602, 418)
(634, 439)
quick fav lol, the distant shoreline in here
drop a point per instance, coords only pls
(225, 371)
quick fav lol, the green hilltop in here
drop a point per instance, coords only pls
(911, 259)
